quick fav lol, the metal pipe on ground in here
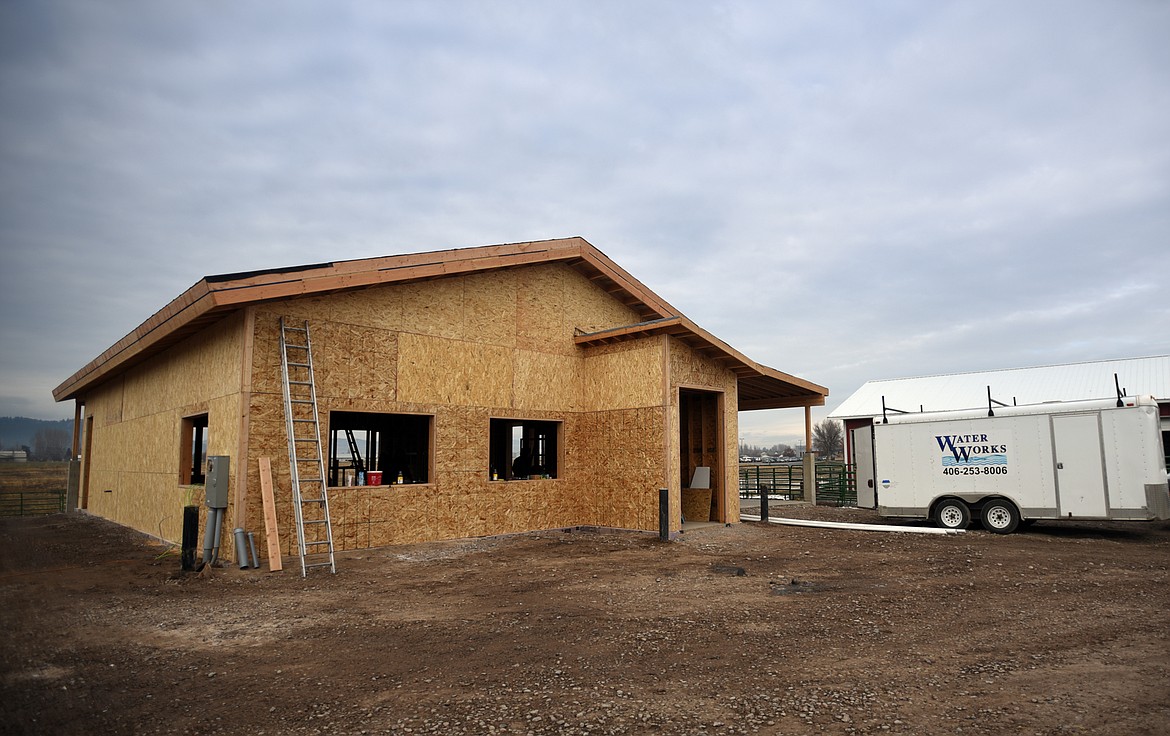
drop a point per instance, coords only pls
(252, 545)
(241, 548)
(858, 527)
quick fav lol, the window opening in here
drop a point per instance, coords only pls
(193, 467)
(520, 449)
(396, 445)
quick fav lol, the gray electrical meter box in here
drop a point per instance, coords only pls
(217, 481)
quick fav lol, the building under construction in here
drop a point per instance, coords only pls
(449, 394)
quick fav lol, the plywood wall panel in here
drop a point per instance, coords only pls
(547, 382)
(589, 309)
(621, 376)
(354, 362)
(435, 307)
(452, 372)
(540, 310)
(203, 366)
(490, 312)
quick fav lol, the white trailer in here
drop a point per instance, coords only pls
(1098, 459)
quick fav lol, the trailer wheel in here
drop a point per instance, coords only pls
(1000, 516)
(951, 513)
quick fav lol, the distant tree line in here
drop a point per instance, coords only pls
(40, 439)
(827, 441)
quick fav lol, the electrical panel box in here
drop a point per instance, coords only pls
(217, 481)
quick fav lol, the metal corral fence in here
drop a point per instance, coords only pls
(836, 482)
(31, 503)
(784, 482)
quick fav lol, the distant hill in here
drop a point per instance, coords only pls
(17, 432)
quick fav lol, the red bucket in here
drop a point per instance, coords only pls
(374, 478)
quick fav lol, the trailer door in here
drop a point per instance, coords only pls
(862, 444)
(1080, 470)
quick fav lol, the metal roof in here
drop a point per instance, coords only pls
(1068, 382)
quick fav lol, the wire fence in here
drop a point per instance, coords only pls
(31, 503)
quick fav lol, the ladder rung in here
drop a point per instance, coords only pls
(319, 564)
(314, 421)
(288, 328)
(317, 543)
(312, 500)
(298, 365)
(301, 383)
(316, 521)
(304, 439)
(310, 480)
(301, 401)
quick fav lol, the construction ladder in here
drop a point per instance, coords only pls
(305, 459)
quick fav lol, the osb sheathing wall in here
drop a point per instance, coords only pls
(134, 454)
(688, 369)
(463, 350)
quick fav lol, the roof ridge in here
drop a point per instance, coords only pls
(1018, 368)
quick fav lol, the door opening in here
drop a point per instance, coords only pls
(701, 445)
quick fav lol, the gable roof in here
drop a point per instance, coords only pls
(1067, 382)
(214, 297)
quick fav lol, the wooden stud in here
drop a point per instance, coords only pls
(271, 533)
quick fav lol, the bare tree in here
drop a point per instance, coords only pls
(827, 438)
(51, 444)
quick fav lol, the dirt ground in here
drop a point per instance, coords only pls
(742, 630)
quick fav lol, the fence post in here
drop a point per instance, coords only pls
(764, 501)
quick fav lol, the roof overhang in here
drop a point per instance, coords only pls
(759, 387)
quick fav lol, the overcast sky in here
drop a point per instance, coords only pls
(844, 191)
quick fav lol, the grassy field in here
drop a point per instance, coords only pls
(30, 488)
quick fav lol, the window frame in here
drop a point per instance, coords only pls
(388, 455)
(193, 448)
(545, 435)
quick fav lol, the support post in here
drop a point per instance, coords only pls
(807, 428)
(810, 477)
(764, 501)
(664, 514)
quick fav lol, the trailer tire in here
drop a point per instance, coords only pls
(1000, 516)
(951, 513)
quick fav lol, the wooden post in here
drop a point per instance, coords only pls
(807, 428)
(270, 531)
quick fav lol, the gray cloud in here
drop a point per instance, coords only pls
(843, 193)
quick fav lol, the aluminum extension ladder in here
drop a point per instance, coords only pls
(305, 459)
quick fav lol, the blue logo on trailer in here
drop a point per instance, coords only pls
(949, 460)
(970, 449)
